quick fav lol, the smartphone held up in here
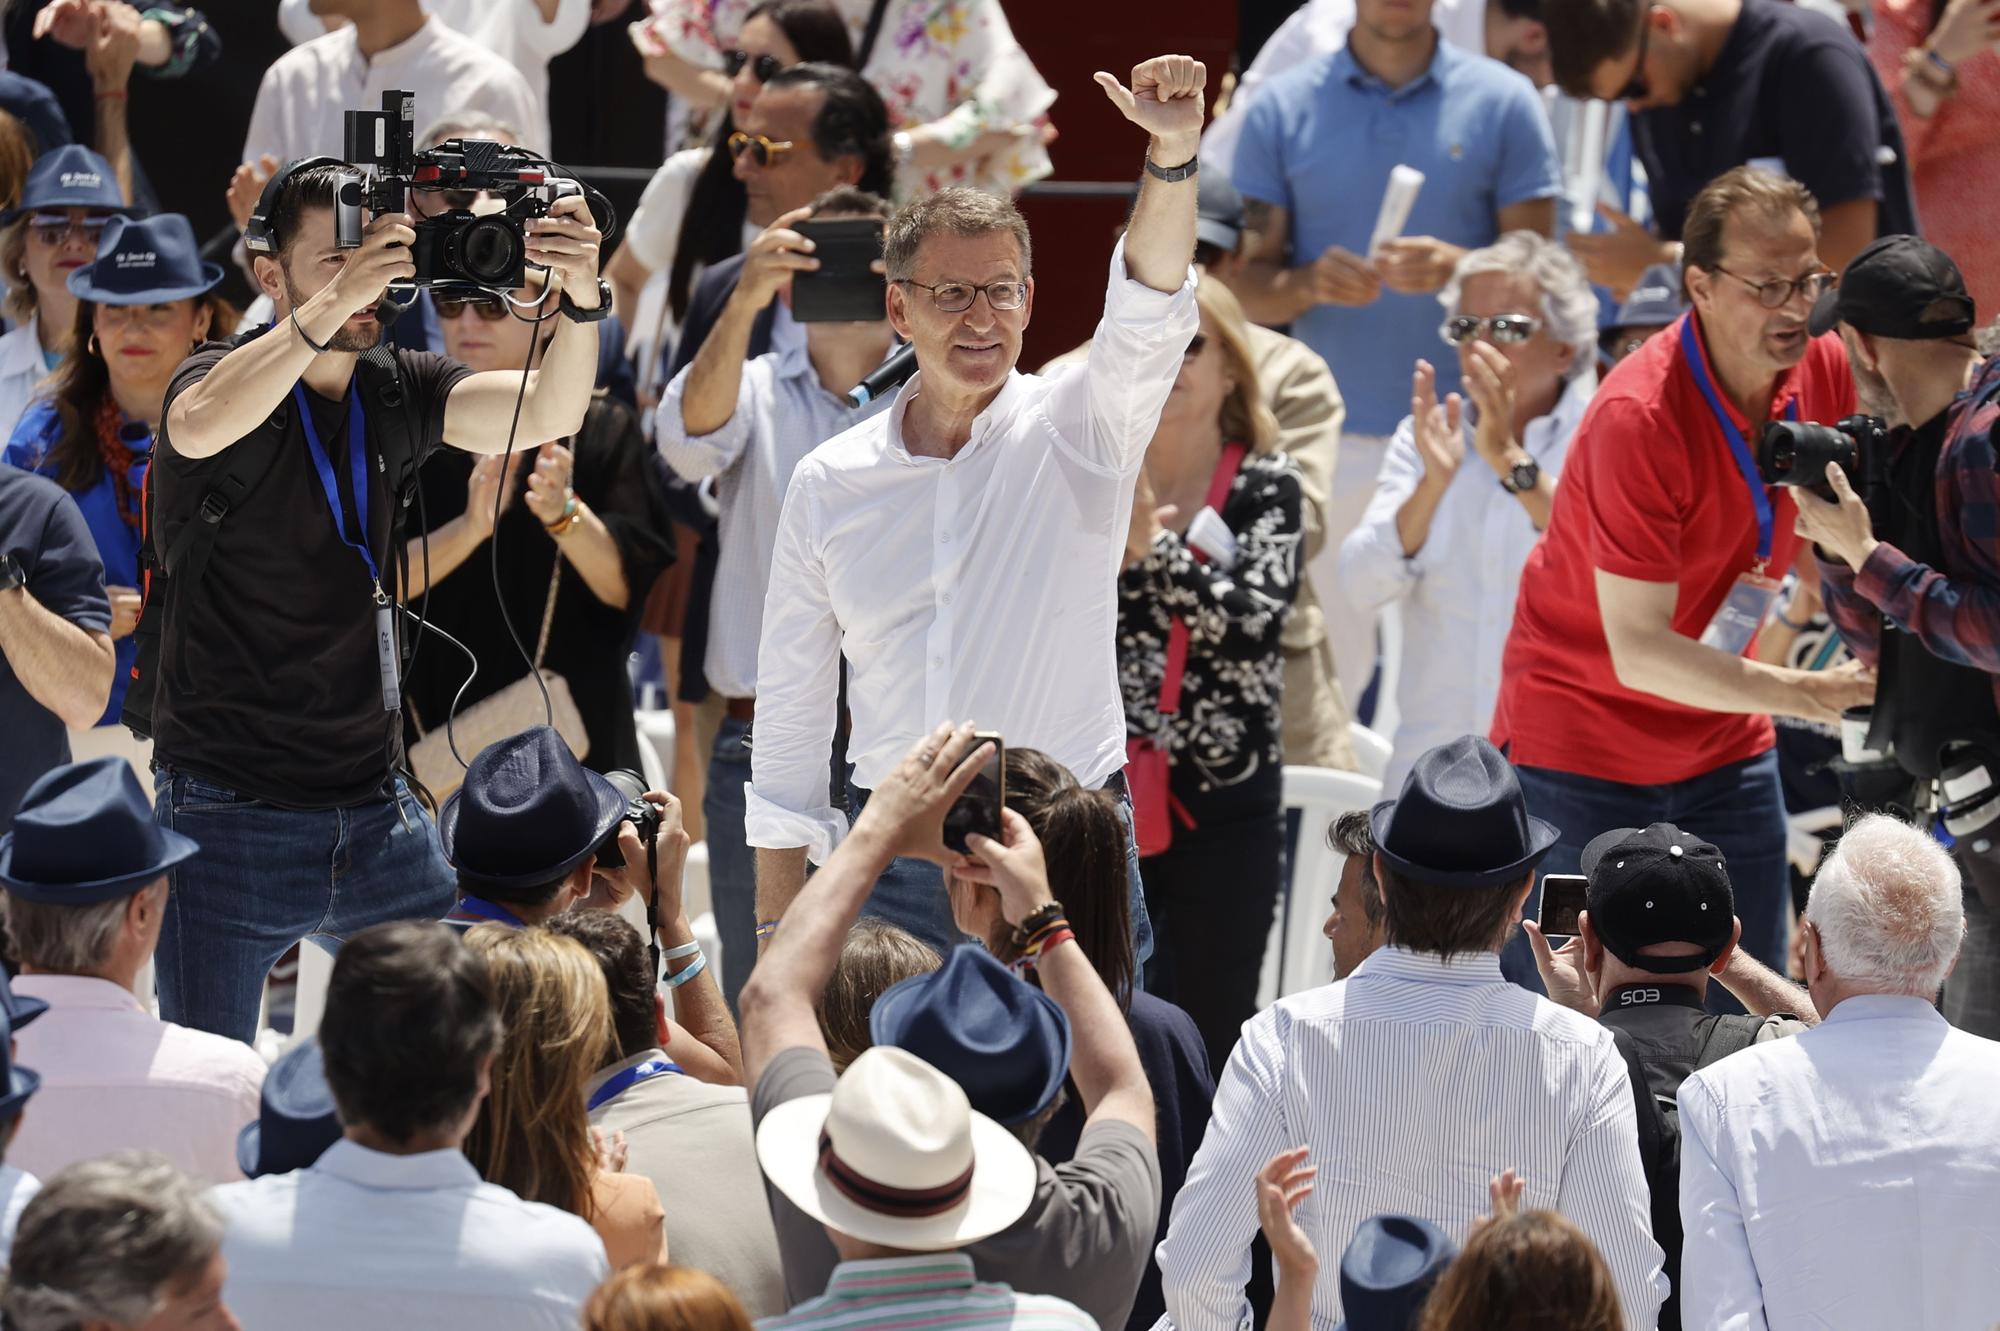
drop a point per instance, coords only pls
(978, 809)
(1563, 900)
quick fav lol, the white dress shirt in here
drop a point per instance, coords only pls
(22, 369)
(17, 1189)
(1414, 1081)
(782, 413)
(983, 588)
(368, 1240)
(115, 1077)
(1457, 592)
(1846, 1178)
(307, 91)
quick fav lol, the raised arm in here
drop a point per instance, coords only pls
(707, 398)
(1165, 100)
(1763, 992)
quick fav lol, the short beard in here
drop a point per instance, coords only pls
(345, 340)
(1874, 395)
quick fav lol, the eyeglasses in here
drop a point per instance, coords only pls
(155, 315)
(53, 229)
(957, 297)
(1636, 89)
(1778, 292)
(1502, 330)
(450, 307)
(1195, 345)
(763, 151)
(762, 67)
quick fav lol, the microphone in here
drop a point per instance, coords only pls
(891, 373)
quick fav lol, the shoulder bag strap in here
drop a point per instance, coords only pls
(1177, 635)
(871, 33)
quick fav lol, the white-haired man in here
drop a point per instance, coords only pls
(1465, 493)
(1847, 1176)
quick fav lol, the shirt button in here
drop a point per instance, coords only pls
(939, 660)
(947, 598)
(945, 536)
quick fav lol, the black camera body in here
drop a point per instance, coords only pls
(642, 813)
(1796, 453)
(456, 248)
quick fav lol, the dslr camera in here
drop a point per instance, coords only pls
(458, 247)
(1797, 452)
(641, 812)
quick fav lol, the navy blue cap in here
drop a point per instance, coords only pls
(144, 261)
(71, 176)
(1005, 1042)
(296, 1117)
(85, 834)
(527, 813)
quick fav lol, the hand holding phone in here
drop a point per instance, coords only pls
(1564, 898)
(846, 286)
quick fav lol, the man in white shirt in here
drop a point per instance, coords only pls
(85, 871)
(17, 1084)
(1847, 1177)
(392, 1226)
(961, 549)
(1465, 488)
(747, 424)
(1424, 1073)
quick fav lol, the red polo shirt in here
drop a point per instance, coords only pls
(1650, 491)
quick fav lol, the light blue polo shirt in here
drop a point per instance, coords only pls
(1320, 143)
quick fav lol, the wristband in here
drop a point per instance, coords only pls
(1942, 65)
(675, 981)
(1036, 921)
(766, 928)
(684, 950)
(306, 337)
(1054, 939)
(571, 515)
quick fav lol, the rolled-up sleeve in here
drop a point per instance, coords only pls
(1106, 411)
(786, 803)
(697, 457)
(1373, 569)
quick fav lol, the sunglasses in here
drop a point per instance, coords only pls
(55, 228)
(762, 67)
(957, 297)
(762, 151)
(450, 307)
(1502, 330)
(1195, 345)
(1636, 88)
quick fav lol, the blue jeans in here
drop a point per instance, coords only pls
(910, 893)
(732, 864)
(266, 878)
(1739, 809)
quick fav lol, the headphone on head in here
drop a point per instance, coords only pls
(258, 236)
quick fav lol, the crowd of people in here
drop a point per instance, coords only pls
(1664, 975)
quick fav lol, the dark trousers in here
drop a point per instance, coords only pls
(1212, 896)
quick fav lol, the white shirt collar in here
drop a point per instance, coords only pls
(401, 55)
(1402, 963)
(1881, 1007)
(997, 412)
(424, 1172)
(78, 991)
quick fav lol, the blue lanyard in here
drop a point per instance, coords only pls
(1746, 462)
(486, 910)
(624, 1081)
(357, 470)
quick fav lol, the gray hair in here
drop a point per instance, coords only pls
(107, 1240)
(64, 940)
(953, 211)
(1888, 907)
(1569, 307)
(469, 125)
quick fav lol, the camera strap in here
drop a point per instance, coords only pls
(387, 644)
(1746, 461)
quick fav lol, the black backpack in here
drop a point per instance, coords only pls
(249, 459)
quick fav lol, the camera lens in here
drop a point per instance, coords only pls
(488, 251)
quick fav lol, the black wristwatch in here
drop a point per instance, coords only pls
(12, 575)
(583, 316)
(1523, 477)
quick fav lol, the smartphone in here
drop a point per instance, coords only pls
(845, 288)
(978, 809)
(1563, 899)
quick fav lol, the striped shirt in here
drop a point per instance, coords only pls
(927, 1290)
(1413, 1082)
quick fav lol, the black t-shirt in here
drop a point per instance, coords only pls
(269, 683)
(588, 640)
(1789, 86)
(41, 527)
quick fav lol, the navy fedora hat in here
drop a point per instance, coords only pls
(144, 261)
(71, 176)
(527, 813)
(19, 1009)
(1388, 1270)
(296, 1117)
(16, 1082)
(85, 834)
(1005, 1042)
(1461, 820)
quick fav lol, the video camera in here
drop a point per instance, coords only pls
(458, 247)
(1796, 453)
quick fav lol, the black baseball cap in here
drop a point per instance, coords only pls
(1899, 286)
(1659, 885)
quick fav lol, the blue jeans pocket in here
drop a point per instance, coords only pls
(194, 795)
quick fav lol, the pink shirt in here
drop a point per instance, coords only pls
(115, 1077)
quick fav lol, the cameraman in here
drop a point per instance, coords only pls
(1911, 573)
(276, 720)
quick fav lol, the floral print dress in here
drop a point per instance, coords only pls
(949, 61)
(1224, 751)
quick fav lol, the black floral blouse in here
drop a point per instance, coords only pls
(1223, 743)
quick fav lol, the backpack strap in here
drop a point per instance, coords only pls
(1726, 1036)
(243, 469)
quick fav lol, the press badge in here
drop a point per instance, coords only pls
(1741, 614)
(385, 657)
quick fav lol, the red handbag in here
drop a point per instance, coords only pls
(1154, 807)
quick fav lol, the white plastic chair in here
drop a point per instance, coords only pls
(315, 970)
(1371, 751)
(1387, 714)
(1297, 956)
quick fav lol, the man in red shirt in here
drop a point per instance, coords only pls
(1629, 694)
